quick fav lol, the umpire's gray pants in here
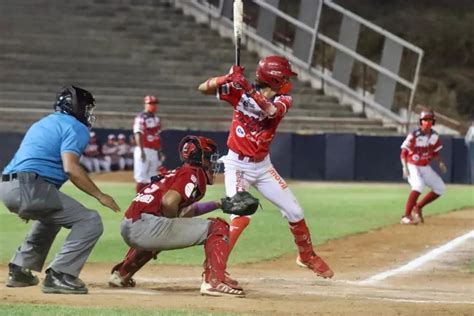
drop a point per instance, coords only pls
(152, 232)
(85, 225)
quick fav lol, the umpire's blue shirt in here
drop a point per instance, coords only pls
(41, 148)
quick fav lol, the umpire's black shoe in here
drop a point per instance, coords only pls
(20, 277)
(62, 283)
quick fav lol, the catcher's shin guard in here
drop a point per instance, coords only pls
(307, 257)
(134, 261)
(216, 250)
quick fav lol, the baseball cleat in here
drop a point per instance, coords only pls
(20, 277)
(417, 214)
(232, 282)
(220, 289)
(408, 220)
(116, 280)
(317, 264)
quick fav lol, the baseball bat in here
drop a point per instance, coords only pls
(238, 23)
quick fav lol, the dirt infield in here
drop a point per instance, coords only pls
(442, 286)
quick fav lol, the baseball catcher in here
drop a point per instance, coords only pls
(154, 221)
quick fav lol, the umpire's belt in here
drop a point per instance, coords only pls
(9, 177)
(19, 175)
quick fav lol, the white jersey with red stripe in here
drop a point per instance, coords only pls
(422, 147)
(149, 127)
(252, 130)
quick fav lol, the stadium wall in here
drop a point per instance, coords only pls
(333, 157)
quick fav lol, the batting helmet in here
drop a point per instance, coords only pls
(427, 114)
(150, 99)
(274, 71)
(202, 152)
(77, 102)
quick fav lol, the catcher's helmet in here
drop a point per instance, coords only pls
(202, 152)
(150, 99)
(427, 114)
(77, 102)
(274, 71)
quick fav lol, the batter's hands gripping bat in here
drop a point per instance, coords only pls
(238, 24)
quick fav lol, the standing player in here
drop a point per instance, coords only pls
(152, 222)
(91, 155)
(258, 110)
(418, 149)
(146, 157)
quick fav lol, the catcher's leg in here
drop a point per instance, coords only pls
(134, 260)
(216, 249)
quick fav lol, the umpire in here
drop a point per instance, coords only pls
(48, 156)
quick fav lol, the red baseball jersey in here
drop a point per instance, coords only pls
(149, 127)
(189, 181)
(92, 150)
(421, 148)
(252, 130)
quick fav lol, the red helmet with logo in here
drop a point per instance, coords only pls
(150, 99)
(427, 114)
(274, 71)
(202, 152)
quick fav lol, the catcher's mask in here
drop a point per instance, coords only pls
(200, 151)
(77, 102)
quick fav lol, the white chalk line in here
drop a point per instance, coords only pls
(431, 255)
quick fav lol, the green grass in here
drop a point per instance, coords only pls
(55, 310)
(332, 211)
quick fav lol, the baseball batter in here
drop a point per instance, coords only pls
(257, 111)
(146, 157)
(418, 149)
(154, 221)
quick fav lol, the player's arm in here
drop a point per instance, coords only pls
(138, 141)
(199, 208)
(170, 203)
(79, 177)
(438, 158)
(403, 160)
(211, 85)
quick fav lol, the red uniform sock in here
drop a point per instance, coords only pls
(411, 202)
(302, 239)
(428, 198)
(237, 226)
(134, 261)
(140, 186)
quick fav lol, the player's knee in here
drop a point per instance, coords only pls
(218, 227)
(293, 216)
(93, 224)
(440, 189)
(418, 188)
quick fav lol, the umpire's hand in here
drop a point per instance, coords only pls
(108, 201)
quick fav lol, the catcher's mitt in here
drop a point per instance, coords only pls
(242, 203)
